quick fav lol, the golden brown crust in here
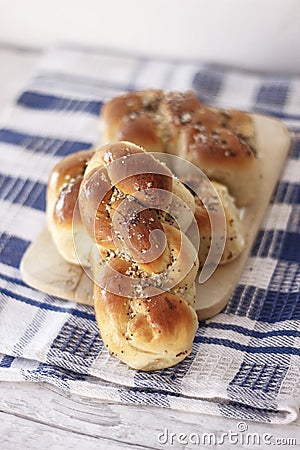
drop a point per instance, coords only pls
(132, 117)
(70, 166)
(62, 194)
(132, 102)
(223, 157)
(219, 147)
(147, 171)
(147, 333)
(143, 130)
(180, 107)
(64, 182)
(66, 201)
(95, 193)
(241, 124)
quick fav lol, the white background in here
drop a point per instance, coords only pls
(254, 34)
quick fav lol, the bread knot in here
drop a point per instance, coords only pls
(144, 264)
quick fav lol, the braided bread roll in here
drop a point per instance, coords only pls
(144, 266)
(221, 143)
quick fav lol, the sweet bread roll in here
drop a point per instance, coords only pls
(62, 194)
(220, 142)
(145, 268)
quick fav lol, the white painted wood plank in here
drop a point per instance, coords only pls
(19, 433)
(39, 414)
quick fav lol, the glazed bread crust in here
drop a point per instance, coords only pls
(62, 194)
(134, 117)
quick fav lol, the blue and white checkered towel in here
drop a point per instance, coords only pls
(245, 362)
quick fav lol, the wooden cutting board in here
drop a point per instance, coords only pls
(43, 268)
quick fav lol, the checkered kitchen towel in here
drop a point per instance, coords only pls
(245, 362)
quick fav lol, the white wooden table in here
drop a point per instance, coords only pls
(39, 416)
